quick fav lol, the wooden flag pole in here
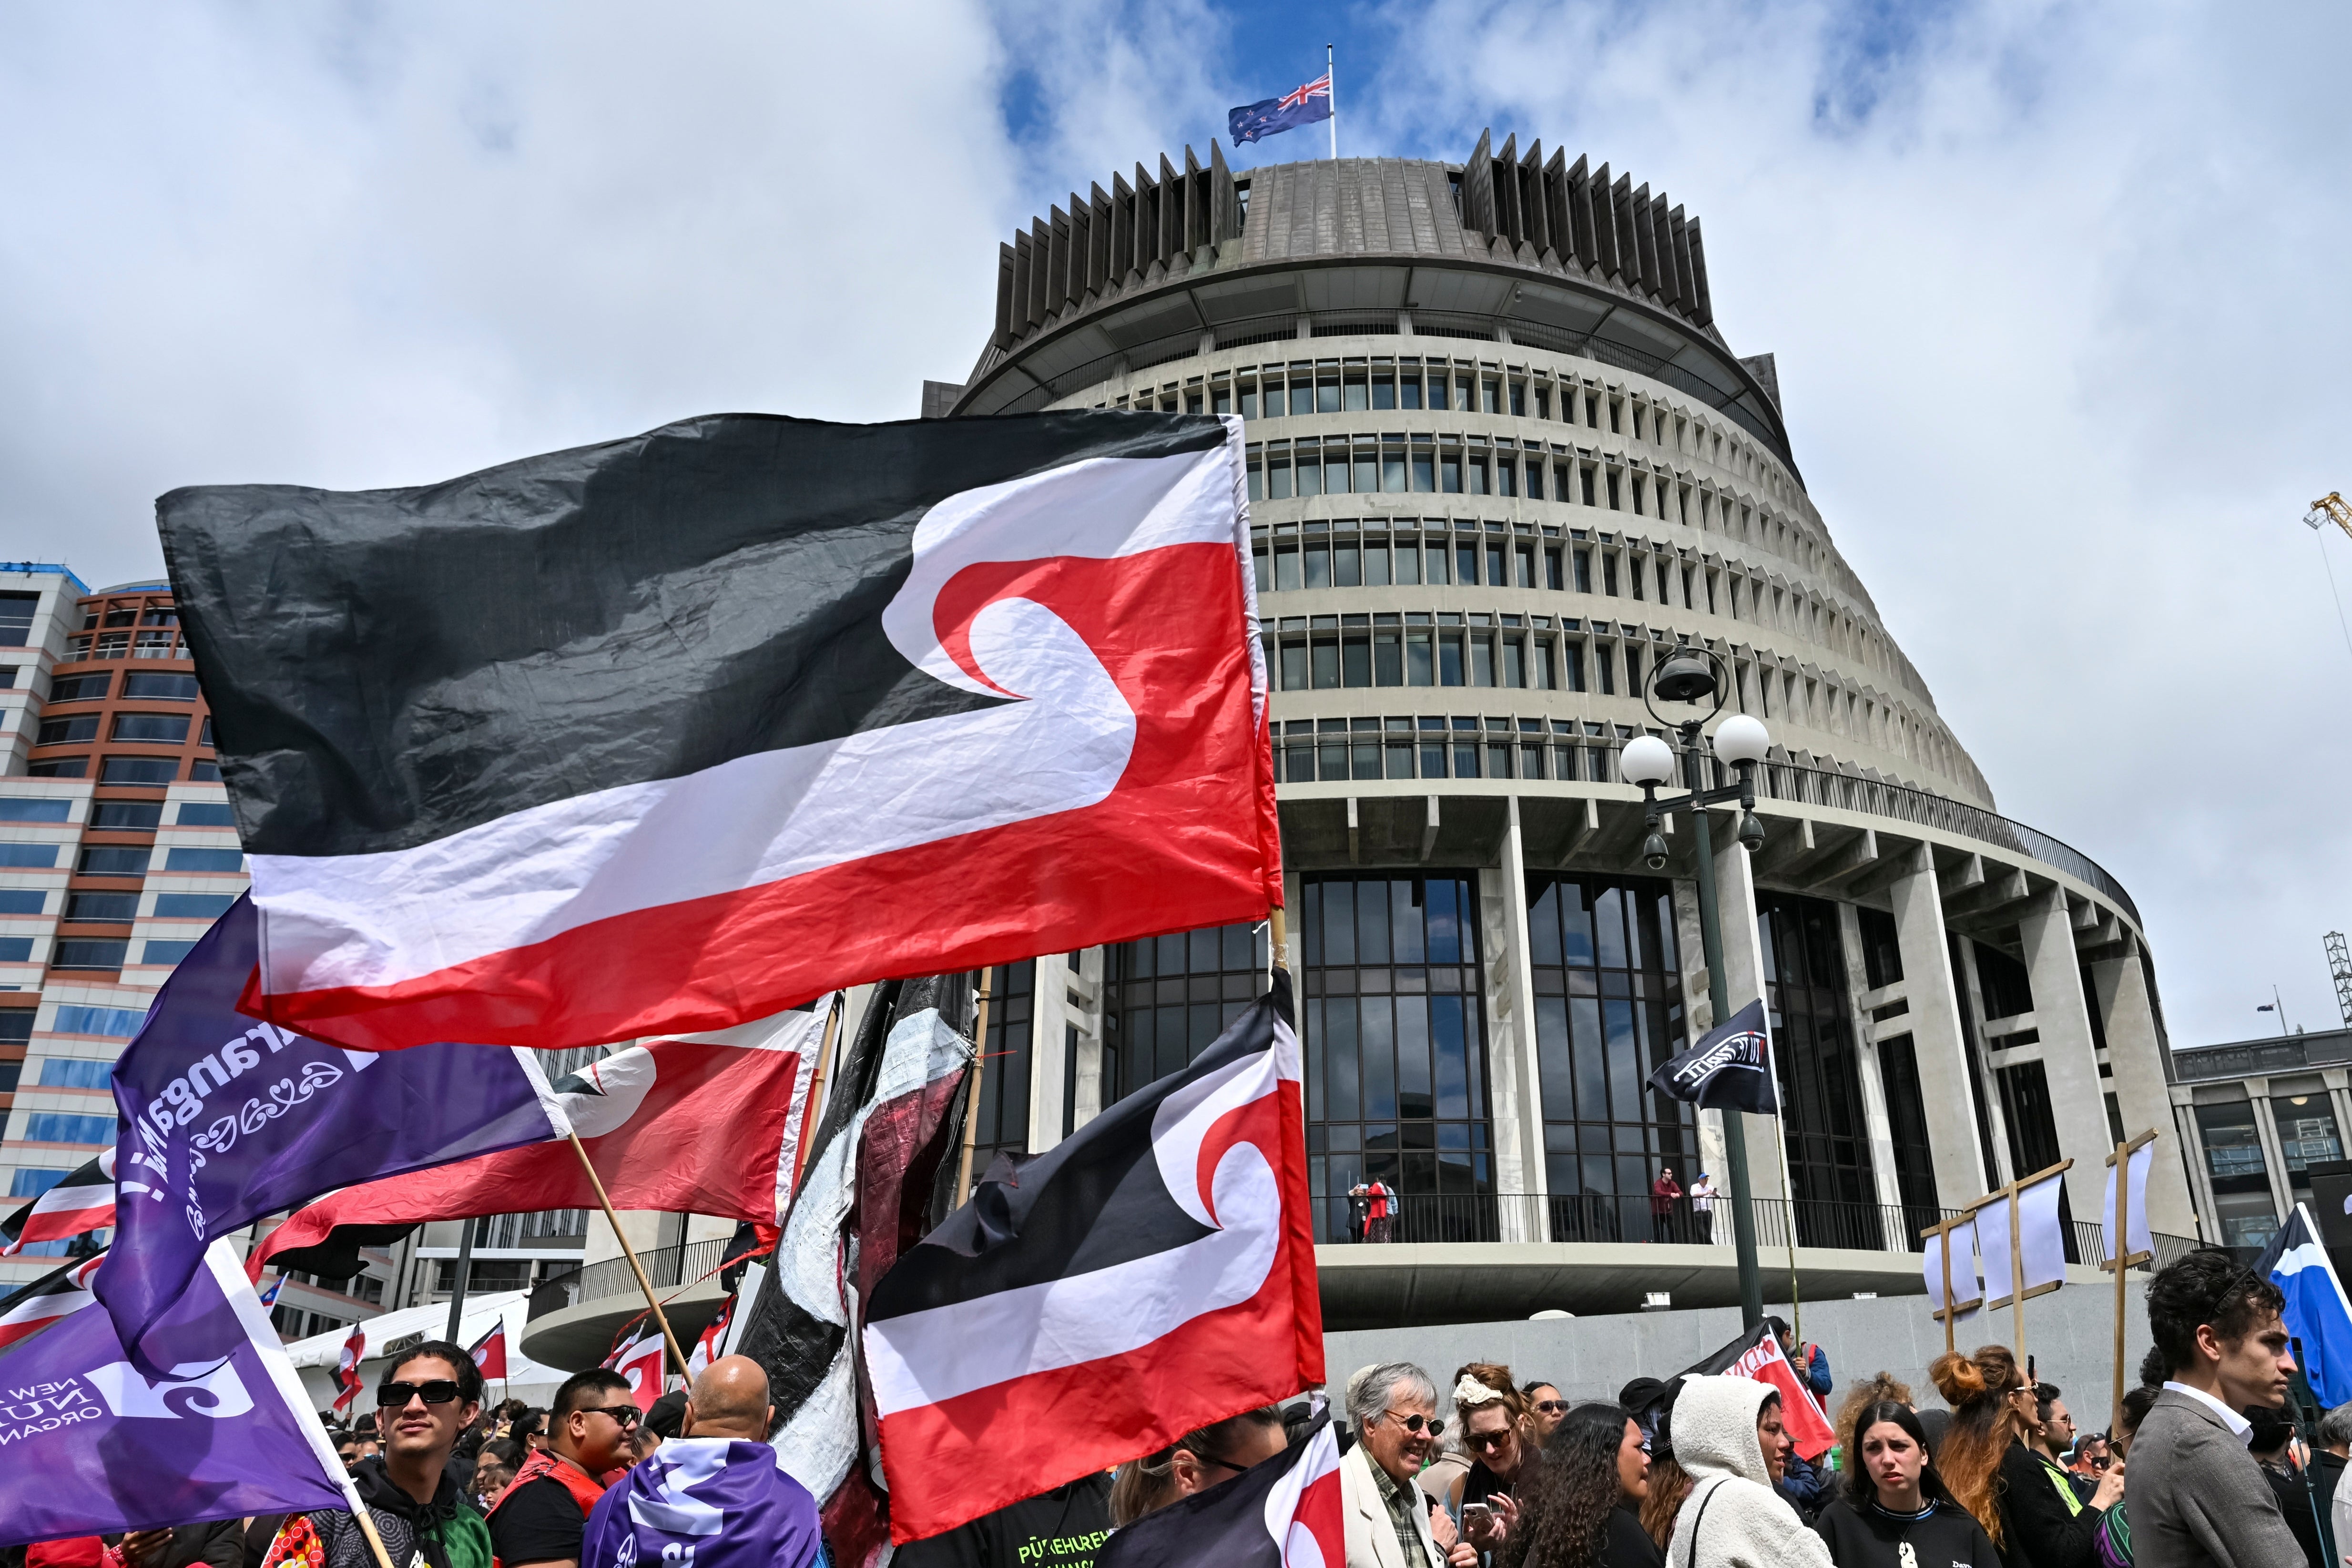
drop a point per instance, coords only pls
(1278, 937)
(367, 1526)
(2017, 1270)
(1951, 1310)
(2124, 1258)
(972, 1101)
(630, 1253)
(1944, 1248)
(816, 1085)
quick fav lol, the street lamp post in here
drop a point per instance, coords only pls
(1692, 677)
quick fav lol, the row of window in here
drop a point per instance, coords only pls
(134, 815)
(152, 729)
(146, 772)
(120, 859)
(1324, 750)
(137, 685)
(1406, 383)
(121, 909)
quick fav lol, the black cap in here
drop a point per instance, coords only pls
(667, 1415)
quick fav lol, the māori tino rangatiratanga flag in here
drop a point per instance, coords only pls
(1730, 1069)
(81, 1202)
(1151, 1273)
(675, 731)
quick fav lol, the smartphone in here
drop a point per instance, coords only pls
(1475, 1511)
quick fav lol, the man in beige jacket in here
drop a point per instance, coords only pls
(1393, 1407)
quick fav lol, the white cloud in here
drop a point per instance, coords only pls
(2057, 293)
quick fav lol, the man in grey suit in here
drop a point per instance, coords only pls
(2195, 1495)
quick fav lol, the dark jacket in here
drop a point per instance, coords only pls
(446, 1532)
(2294, 1493)
(1804, 1487)
(2043, 1523)
(1870, 1537)
(220, 1545)
(1626, 1544)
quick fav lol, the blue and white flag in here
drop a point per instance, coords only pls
(712, 1502)
(1307, 105)
(2317, 1314)
(226, 1120)
(91, 1445)
(1730, 1069)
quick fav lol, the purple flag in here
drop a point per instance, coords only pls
(91, 1445)
(226, 1120)
(714, 1502)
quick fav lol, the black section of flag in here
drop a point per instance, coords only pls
(337, 1256)
(88, 1189)
(386, 667)
(1730, 1069)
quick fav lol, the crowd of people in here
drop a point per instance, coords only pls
(2202, 1467)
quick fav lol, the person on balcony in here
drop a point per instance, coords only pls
(1664, 1193)
(1702, 1201)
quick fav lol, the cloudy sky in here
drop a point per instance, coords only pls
(2058, 293)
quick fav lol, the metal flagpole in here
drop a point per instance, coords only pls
(643, 1284)
(457, 1295)
(971, 1104)
(1331, 79)
(1789, 1217)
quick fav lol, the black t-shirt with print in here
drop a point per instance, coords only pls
(1060, 1528)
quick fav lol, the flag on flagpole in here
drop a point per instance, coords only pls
(2318, 1314)
(1757, 1355)
(644, 1361)
(1283, 1513)
(1016, 677)
(269, 1296)
(1307, 104)
(1730, 1069)
(1152, 1272)
(889, 1128)
(54, 1294)
(83, 1202)
(706, 1343)
(346, 1367)
(223, 1121)
(704, 1124)
(489, 1353)
(95, 1446)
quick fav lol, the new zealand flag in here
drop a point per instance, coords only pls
(1300, 106)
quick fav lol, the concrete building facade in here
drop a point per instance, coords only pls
(1502, 460)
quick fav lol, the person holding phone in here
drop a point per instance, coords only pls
(1893, 1510)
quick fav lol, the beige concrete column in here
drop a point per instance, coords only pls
(1514, 1098)
(1048, 1056)
(1878, 1124)
(2062, 1018)
(2258, 1091)
(2135, 1057)
(1996, 1116)
(1937, 1042)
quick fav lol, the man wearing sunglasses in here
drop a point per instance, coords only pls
(1389, 1523)
(542, 1518)
(426, 1397)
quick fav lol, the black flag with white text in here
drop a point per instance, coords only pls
(1730, 1069)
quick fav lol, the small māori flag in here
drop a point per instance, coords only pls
(83, 1202)
(346, 1367)
(644, 1362)
(489, 1353)
(1730, 1068)
(675, 731)
(1150, 1274)
(1282, 1513)
(45, 1301)
(700, 1124)
(1756, 1354)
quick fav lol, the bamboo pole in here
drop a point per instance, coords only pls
(630, 1253)
(1278, 937)
(1945, 1247)
(971, 1100)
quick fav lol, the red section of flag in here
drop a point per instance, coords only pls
(643, 1364)
(489, 1353)
(1799, 1411)
(703, 1137)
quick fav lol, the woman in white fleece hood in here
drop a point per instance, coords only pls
(1733, 1518)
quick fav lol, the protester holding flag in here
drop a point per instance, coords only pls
(1893, 1511)
(1581, 1507)
(1729, 1434)
(712, 1495)
(427, 1395)
(542, 1517)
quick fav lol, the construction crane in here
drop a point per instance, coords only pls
(2329, 507)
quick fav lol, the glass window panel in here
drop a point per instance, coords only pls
(1449, 659)
(1413, 1042)
(1443, 918)
(1343, 1059)
(1449, 1039)
(1409, 389)
(1327, 662)
(1465, 563)
(1302, 396)
(1392, 470)
(1310, 470)
(1378, 1060)
(1624, 1062)
(1482, 661)
(1585, 1042)
(1608, 928)
(1408, 563)
(1375, 566)
(1424, 471)
(1388, 658)
(1368, 470)
(1436, 558)
(1347, 566)
(1417, 656)
(1356, 662)
(1319, 565)
(1405, 904)
(1373, 920)
(1339, 923)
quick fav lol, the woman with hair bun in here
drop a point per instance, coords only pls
(1893, 1511)
(2025, 1503)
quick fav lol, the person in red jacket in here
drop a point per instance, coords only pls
(543, 1516)
(1664, 1193)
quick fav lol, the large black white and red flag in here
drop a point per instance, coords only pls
(876, 1161)
(675, 731)
(708, 1123)
(1285, 1513)
(83, 1202)
(1151, 1273)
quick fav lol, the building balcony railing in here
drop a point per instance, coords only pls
(1587, 1218)
(665, 1267)
(2259, 1058)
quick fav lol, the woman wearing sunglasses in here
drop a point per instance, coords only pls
(1197, 1461)
(1499, 1438)
(1893, 1510)
(1581, 1508)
